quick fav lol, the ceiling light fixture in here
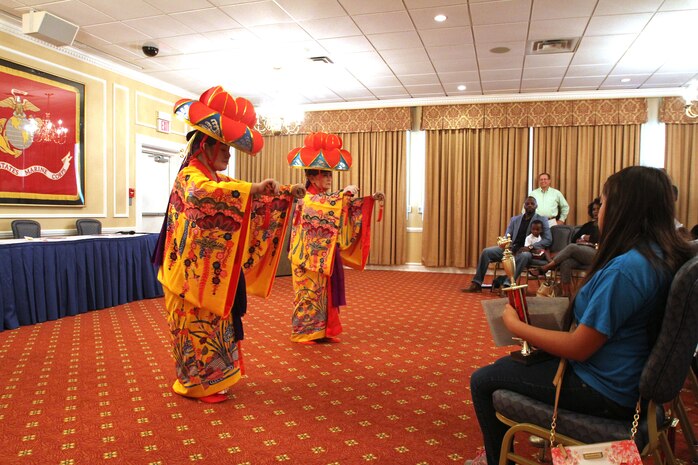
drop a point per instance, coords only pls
(440, 18)
(690, 98)
(461, 87)
(625, 80)
(279, 119)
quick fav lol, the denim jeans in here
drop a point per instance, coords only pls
(535, 381)
(495, 254)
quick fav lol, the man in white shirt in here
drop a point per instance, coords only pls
(551, 202)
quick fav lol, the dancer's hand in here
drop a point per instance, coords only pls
(379, 196)
(351, 190)
(298, 191)
(266, 187)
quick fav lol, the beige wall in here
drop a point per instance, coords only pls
(117, 109)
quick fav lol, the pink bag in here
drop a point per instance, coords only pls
(617, 453)
(612, 453)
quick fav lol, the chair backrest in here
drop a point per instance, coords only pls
(561, 237)
(25, 228)
(668, 364)
(88, 226)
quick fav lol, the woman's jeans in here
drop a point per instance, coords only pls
(535, 381)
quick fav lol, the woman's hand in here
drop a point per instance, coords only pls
(351, 190)
(379, 196)
(266, 187)
(511, 319)
(298, 191)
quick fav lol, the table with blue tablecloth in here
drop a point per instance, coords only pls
(49, 278)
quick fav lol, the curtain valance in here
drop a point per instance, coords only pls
(363, 120)
(672, 110)
(535, 114)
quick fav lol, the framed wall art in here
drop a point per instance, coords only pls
(42, 160)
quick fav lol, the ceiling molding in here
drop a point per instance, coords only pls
(499, 98)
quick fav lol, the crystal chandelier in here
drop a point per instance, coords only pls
(279, 119)
(48, 131)
(690, 97)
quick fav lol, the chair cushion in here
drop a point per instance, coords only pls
(584, 428)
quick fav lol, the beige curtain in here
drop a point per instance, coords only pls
(379, 164)
(475, 182)
(580, 158)
(681, 162)
(271, 161)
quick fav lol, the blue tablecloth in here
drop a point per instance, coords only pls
(42, 281)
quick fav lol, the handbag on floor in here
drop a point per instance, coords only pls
(622, 452)
(549, 288)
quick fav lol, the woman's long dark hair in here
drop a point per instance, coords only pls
(638, 214)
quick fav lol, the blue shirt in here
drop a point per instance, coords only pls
(618, 302)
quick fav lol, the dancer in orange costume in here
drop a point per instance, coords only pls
(330, 229)
(220, 238)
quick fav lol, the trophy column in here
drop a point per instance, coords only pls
(517, 299)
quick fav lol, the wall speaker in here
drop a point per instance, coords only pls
(49, 28)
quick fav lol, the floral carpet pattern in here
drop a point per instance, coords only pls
(96, 388)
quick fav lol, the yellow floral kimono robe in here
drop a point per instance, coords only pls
(215, 229)
(325, 226)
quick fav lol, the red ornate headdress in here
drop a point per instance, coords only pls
(226, 119)
(321, 151)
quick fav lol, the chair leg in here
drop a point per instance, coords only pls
(507, 453)
(686, 428)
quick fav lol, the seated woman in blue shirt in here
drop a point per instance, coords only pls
(622, 299)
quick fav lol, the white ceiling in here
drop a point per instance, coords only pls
(388, 49)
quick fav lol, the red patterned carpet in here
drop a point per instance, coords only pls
(95, 388)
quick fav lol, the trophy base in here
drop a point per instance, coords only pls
(536, 356)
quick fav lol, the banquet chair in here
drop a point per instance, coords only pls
(88, 226)
(25, 228)
(661, 381)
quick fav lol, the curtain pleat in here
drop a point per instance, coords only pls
(580, 158)
(379, 164)
(681, 162)
(475, 182)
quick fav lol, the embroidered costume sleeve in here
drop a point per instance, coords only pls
(355, 235)
(267, 229)
(207, 226)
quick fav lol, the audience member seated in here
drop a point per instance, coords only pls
(519, 227)
(616, 313)
(579, 254)
(534, 238)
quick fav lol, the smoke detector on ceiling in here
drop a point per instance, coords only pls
(538, 47)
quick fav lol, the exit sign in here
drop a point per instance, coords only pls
(163, 125)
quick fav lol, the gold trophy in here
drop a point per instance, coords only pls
(517, 299)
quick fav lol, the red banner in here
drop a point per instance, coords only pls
(41, 138)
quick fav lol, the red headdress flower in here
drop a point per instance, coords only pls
(321, 151)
